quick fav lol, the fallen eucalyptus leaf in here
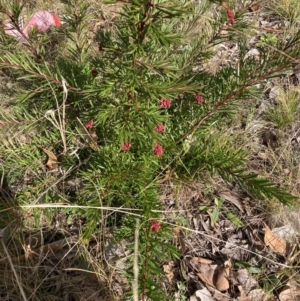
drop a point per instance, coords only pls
(222, 283)
(52, 163)
(290, 293)
(275, 243)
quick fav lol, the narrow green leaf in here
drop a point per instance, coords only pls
(235, 220)
(215, 216)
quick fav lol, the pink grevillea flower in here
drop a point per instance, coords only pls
(155, 226)
(126, 146)
(89, 124)
(157, 149)
(230, 15)
(165, 103)
(199, 98)
(42, 20)
(159, 128)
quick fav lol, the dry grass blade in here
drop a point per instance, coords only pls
(43, 250)
(13, 269)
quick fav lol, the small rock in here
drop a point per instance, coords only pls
(257, 295)
(252, 53)
(274, 92)
(246, 280)
(286, 232)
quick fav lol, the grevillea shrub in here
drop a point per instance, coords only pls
(122, 107)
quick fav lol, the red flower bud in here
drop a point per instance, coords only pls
(155, 226)
(157, 149)
(199, 98)
(230, 15)
(89, 124)
(159, 128)
(165, 103)
(126, 146)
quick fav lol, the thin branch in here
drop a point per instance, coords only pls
(229, 97)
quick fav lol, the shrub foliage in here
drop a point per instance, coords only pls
(121, 107)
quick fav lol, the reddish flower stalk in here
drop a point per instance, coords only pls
(229, 12)
(159, 128)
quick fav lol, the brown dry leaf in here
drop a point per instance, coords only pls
(212, 274)
(205, 268)
(254, 7)
(222, 283)
(276, 244)
(206, 273)
(52, 160)
(231, 197)
(290, 293)
(202, 260)
(168, 269)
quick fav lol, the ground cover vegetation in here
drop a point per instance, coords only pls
(140, 141)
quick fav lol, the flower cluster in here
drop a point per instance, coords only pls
(159, 128)
(230, 15)
(165, 103)
(126, 146)
(157, 149)
(89, 124)
(199, 98)
(155, 226)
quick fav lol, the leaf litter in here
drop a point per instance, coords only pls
(224, 260)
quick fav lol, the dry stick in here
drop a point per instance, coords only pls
(13, 269)
(135, 263)
(60, 205)
(61, 126)
(63, 133)
(15, 23)
(229, 97)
